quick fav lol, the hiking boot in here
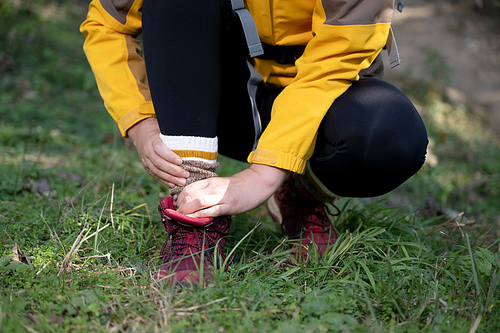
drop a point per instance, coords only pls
(190, 239)
(302, 217)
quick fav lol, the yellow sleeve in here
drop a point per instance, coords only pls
(347, 37)
(115, 56)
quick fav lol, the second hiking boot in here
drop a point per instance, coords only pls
(302, 217)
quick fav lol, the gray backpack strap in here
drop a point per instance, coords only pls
(249, 28)
(400, 5)
(392, 50)
(252, 84)
(392, 47)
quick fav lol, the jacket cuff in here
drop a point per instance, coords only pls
(278, 159)
(129, 119)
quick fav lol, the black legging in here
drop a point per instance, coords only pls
(370, 141)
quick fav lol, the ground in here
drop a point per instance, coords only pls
(441, 40)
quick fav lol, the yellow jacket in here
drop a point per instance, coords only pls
(341, 37)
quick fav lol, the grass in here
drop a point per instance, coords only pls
(80, 235)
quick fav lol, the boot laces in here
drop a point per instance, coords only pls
(184, 240)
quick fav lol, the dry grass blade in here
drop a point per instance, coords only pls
(29, 329)
(279, 245)
(476, 324)
(111, 206)
(196, 307)
(69, 255)
(453, 219)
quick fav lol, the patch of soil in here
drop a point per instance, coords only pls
(445, 42)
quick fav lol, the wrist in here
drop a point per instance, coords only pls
(271, 177)
(140, 129)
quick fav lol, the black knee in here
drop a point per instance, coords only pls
(371, 140)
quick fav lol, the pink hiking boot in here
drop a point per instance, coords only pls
(302, 217)
(187, 238)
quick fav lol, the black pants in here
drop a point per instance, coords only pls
(370, 141)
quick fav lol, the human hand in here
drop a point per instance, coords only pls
(158, 160)
(233, 195)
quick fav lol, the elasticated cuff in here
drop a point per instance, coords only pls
(278, 159)
(192, 148)
(129, 119)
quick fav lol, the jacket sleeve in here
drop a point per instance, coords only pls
(115, 56)
(347, 37)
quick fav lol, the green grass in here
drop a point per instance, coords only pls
(76, 201)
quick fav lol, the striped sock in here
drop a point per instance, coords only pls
(199, 157)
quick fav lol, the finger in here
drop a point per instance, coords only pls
(168, 167)
(165, 177)
(166, 160)
(214, 211)
(191, 205)
(193, 189)
(171, 185)
(166, 153)
(168, 179)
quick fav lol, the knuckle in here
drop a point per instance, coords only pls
(156, 161)
(187, 199)
(157, 145)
